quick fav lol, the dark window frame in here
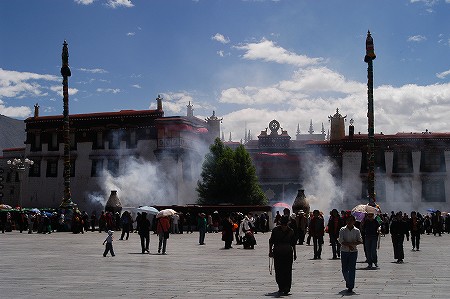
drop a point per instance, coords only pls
(52, 169)
(97, 167)
(35, 169)
(402, 162)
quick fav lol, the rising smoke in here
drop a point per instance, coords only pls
(142, 182)
(321, 189)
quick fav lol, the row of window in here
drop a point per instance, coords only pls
(97, 168)
(98, 141)
(433, 190)
(430, 161)
(52, 168)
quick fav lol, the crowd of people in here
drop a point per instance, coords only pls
(290, 230)
(345, 234)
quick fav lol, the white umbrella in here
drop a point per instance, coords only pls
(365, 209)
(360, 211)
(5, 207)
(165, 212)
(148, 210)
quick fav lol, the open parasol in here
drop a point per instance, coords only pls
(281, 205)
(360, 211)
(5, 207)
(165, 212)
(148, 210)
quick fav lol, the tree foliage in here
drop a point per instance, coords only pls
(229, 177)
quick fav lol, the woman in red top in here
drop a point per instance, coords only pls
(162, 229)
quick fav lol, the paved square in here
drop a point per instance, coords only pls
(64, 265)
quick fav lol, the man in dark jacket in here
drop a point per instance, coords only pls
(144, 232)
(415, 226)
(334, 226)
(371, 229)
(398, 231)
(317, 231)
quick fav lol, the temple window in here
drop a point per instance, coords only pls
(402, 162)
(98, 141)
(433, 190)
(53, 142)
(380, 163)
(36, 142)
(35, 169)
(72, 168)
(52, 168)
(403, 190)
(73, 141)
(432, 161)
(114, 140)
(97, 167)
(131, 140)
(113, 166)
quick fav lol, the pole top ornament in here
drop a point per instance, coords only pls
(370, 51)
(65, 70)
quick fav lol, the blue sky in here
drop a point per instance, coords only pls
(250, 61)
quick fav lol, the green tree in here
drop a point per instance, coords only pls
(229, 177)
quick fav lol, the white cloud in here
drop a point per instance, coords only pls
(312, 82)
(426, 2)
(119, 3)
(268, 51)
(48, 109)
(131, 33)
(108, 90)
(315, 93)
(58, 89)
(174, 103)
(220, 38)
(136, 86)
(15, 112)
(222, 53)
(15, 84)
(409, 108)
(443, 74)
(93, 71)
(417, 38)
(84, 2)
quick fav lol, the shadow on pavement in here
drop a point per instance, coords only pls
(346, 293)
(277, 295)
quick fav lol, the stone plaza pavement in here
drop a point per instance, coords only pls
(64, 265)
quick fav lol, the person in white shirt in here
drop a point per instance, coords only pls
(349, 237)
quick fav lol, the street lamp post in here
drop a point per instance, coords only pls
(20, 165)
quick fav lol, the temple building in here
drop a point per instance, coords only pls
(102, 143)
(410, 168)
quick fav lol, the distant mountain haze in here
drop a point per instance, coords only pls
(12, 133)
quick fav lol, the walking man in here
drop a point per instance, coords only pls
(317, 231)
(201, 225)
(398, 231)
(371, 229)
(144, 232)
(334, 226)
(349, 237)
(415, 226)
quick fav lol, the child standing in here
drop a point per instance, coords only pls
(108, 241)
